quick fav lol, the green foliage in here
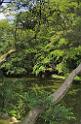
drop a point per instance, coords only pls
(6, 36)
(57, 114)
(12, 95)
(20, 98)
(47, 38)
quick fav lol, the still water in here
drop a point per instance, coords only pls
(71, 100)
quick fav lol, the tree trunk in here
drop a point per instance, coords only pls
(55, 97)
(4, 56)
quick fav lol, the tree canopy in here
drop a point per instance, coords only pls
(47, 33)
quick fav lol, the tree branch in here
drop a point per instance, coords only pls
(4, 56)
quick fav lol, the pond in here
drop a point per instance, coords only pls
(14, 87)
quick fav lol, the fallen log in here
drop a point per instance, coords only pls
(55, 97)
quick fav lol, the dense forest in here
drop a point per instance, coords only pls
(40, 40)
